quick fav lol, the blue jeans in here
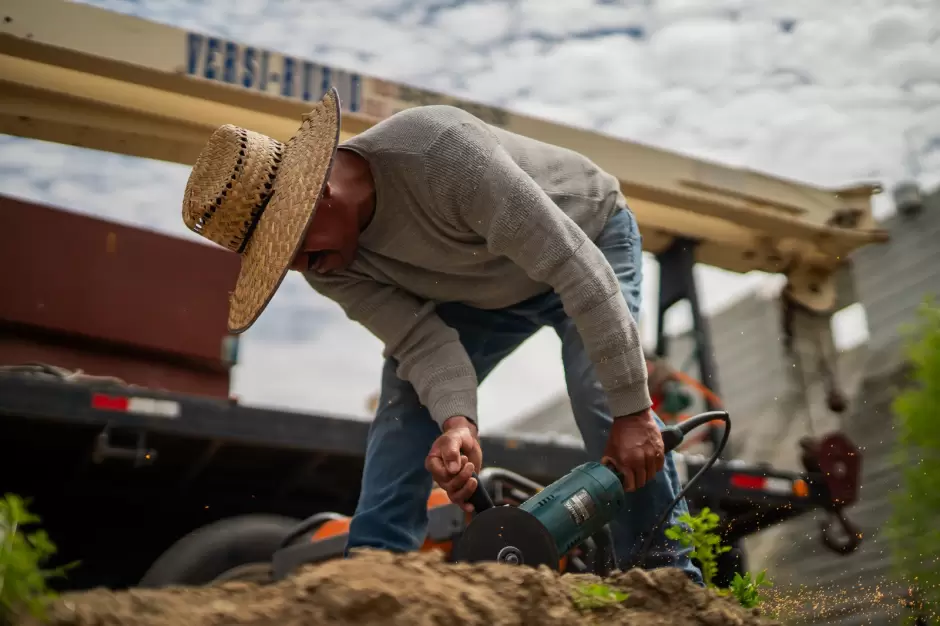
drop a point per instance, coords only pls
(392, 509)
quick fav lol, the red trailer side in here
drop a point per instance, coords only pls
(113, 300)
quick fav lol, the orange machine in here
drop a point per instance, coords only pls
(323, 536)
(669, 391)
(339, 526)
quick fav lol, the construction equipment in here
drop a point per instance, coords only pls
(82, 76)
(70, 73)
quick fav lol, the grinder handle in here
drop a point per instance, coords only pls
(480, 499)
(672, 437)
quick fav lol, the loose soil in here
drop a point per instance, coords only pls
(414, 590)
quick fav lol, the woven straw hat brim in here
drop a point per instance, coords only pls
(301, 178)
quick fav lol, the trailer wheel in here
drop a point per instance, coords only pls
(218, 551)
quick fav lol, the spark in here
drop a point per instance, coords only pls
(805, 605)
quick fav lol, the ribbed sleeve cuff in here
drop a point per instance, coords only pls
(629, 399)
(461, 403)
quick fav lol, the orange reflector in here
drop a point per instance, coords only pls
(800, 488)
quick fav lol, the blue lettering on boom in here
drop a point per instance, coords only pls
(219, 60)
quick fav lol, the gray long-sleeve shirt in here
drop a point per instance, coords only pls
(471, 213)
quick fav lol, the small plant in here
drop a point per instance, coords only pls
(590, 596)
(22, 556)
(747, 590)
(699, 533)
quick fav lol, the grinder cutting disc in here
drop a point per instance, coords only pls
(507, 534)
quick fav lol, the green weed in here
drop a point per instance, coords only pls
(591, 596)
(23, 579)
(747, 590)
(700, 534)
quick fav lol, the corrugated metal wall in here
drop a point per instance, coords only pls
(892, 279)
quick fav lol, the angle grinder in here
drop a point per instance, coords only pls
(574, 508)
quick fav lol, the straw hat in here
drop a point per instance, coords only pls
(257, 196)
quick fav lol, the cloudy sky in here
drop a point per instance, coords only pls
(828, 92)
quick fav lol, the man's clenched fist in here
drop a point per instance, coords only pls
(454, 456)
(635, 447)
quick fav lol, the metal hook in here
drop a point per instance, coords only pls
(853, 534)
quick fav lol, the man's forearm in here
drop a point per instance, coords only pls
(442, 375)
(591, 292)
(591, 295)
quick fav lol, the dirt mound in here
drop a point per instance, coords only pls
(414, 590)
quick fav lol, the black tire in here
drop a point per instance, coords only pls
(209, 552)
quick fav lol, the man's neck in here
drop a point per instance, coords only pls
(359, 184)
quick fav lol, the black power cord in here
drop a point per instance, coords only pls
(672, 437)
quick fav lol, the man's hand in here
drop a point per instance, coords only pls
(635, 448)
(454, 456)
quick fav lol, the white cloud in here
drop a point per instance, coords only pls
(476, 24)
(820, 91)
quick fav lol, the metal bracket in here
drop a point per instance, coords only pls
(852, 534)
(140, 454)
(677, 283)
(807, 336)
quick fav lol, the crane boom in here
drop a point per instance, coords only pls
(83, 76)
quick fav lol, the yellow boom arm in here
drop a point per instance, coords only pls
(83, 76)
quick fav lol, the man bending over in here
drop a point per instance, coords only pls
(452, 241)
